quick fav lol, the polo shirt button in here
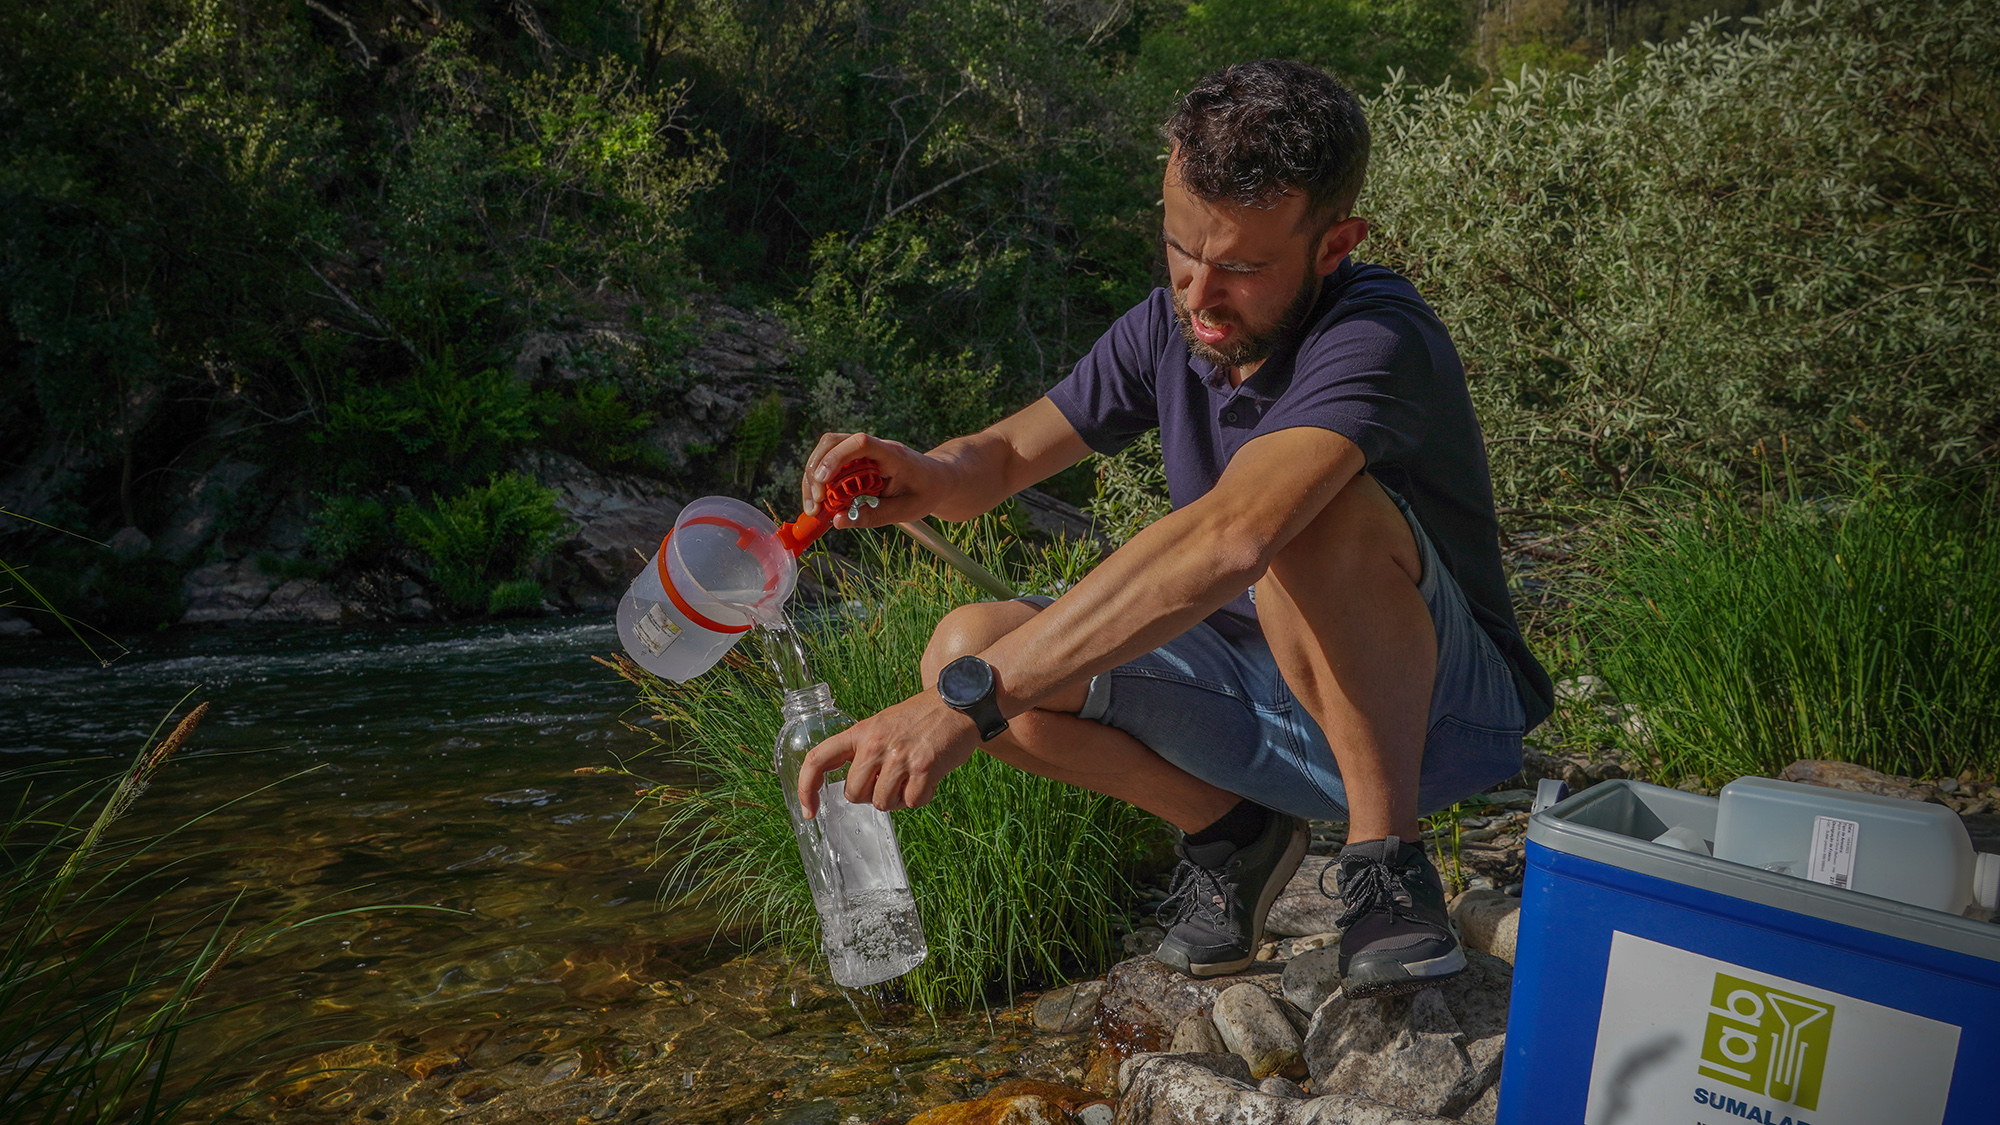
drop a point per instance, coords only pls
(1229, 416)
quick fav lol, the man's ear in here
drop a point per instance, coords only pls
(1338, 242)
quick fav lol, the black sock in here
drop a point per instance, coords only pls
(1240, 826)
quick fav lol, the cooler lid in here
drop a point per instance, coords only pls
(1614, 823)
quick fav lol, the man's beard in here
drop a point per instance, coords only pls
(1250, 347)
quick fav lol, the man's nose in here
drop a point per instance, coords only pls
(1203, 288)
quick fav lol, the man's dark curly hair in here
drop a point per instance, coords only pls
(1249, 133)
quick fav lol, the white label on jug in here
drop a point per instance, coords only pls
(1834, 843)
(655, 630)
(1685, 1039)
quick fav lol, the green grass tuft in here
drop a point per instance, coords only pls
(1018, 878)
(1863, 628)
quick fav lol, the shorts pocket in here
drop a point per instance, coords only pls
(1462, 758)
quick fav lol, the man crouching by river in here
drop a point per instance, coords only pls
(1320, 627)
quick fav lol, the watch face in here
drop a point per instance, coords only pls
(964, 681)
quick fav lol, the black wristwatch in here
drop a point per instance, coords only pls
(968, 686)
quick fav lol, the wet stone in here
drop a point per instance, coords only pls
(1069, 1009)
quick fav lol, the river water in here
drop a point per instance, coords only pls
(531, 971)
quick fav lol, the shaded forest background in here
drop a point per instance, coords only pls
(382, 248)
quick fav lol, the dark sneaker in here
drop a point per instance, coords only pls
(1395, 935)
(1220, 895)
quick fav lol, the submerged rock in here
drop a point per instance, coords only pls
(1069, 1009)
(1020, 1109)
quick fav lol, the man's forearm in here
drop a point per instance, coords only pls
(1170, 576)
(979, 467)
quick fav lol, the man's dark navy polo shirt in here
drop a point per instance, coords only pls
(1376, 367)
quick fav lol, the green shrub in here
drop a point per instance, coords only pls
(1014, 875)
(442, 427)
(1863, 628)
(1657, 264)
(486, 535)
(594, 424)
(516, 597)
(350, 531)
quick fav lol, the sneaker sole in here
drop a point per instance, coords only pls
(1288, 864)
(1393, 978)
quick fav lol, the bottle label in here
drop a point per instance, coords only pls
(1834, 843)
(655, 630)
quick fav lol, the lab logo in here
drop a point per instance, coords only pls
(1770, 1042)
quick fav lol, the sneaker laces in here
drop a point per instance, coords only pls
(1196, 892)
(1367, 887)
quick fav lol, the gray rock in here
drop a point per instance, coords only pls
(198, 515)
(303, 599)
(1856, 779)
(1143, 941)
(1488, 921)
(1486, 1110)
(1222, 1064)
(1069, 1009)
(618, 520)
(1167, 1090)
(1302, 908)
(1312, 976)
(1144, 1001)
(15, 626)
(1253, 1026)
(225, 591)
(129, 543)
(1278, 1086)
(1435, 1051)
(1197, 1035)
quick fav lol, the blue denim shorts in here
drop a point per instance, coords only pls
(1217, 707)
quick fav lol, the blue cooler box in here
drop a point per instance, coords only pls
(1660, 987)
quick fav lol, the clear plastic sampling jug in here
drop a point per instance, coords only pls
(723, 568)
(1910, 851)
(868, 917)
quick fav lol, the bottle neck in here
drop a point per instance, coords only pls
(806, 701)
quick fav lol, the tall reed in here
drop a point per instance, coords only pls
(1017, 877)
(1862, 627)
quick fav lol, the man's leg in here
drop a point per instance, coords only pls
(1354, 640)
(1342, 608)
(1236, 855)
(1052, 742)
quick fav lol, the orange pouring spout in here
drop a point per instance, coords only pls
(857, 478)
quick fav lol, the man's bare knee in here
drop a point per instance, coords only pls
(970, 629)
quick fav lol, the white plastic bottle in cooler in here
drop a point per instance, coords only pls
(1910, 851)
(868, 917)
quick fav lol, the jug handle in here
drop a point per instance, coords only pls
(859, 477)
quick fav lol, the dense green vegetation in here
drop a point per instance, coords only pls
(1011, 872)
(1863, 627)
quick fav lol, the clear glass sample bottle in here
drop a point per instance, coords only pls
(868, 918)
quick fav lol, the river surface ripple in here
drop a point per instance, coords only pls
(434, 766)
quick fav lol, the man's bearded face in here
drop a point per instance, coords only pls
(1244, 343)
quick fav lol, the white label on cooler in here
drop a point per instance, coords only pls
(1834, 843)
(655, 630)
(1684, 1039)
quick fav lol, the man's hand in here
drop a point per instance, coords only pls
(913, 483)
(895, 758)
